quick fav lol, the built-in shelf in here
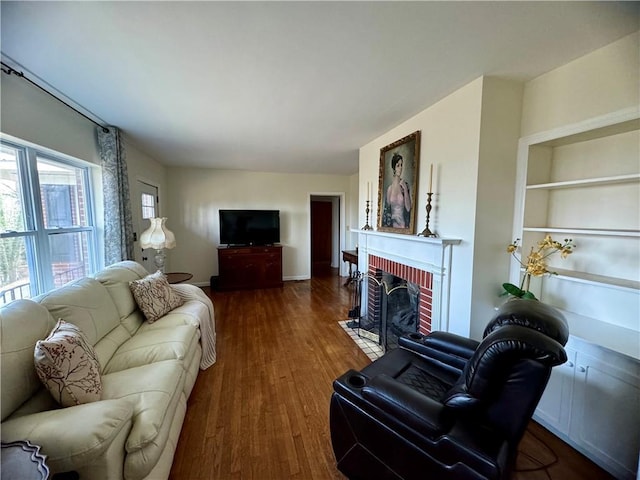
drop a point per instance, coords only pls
(554, 197)
(587, 182)
(585, 231)
(597, 279)
(603, 333)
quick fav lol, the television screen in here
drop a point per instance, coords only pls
(249, 227)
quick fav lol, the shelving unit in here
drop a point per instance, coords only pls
(582, 182)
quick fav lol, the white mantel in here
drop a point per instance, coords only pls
(431, 254)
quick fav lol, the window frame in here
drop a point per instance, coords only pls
(34, 233)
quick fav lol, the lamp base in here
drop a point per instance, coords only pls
(159, 260)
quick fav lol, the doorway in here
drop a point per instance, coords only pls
(325, 221)
(321, 241)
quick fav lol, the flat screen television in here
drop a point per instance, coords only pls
(249, 227)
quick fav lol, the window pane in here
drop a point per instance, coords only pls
(11, 211)
(69, 256)
(63, 193)
(14, 269)
(148, 206)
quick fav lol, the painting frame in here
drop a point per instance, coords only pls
(393, 215)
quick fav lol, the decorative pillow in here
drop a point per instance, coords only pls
(67, 365)
(154, 296)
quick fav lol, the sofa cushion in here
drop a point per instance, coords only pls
(154, 296)
(67, 365)
(116, 280)
(154, 345)
(85, 303)
(22, 324)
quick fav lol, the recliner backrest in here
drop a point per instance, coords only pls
(532, 314)
(503, 381)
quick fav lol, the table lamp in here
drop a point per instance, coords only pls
(158, 236)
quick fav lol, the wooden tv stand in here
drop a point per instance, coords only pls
(250, 267)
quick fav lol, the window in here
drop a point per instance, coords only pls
(47, 230)
(148, 206)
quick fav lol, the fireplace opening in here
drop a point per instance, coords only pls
(399, 309)
(394, 309)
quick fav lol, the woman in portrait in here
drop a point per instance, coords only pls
(398, 197)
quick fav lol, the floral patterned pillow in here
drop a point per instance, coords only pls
(67, 365)
(154, 296)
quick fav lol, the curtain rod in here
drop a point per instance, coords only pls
(8, 70)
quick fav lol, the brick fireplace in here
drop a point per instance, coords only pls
(422, 278)
(425, 262)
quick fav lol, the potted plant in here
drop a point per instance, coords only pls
(536, 263)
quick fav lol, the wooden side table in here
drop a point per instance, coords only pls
(178, 277)
(350, 256)
(23, 460)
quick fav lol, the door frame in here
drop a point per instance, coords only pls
(338, 230)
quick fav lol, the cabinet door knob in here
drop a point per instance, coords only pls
(582, 369)
(570, 364)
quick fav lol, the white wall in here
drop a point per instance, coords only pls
(31, 115)
(353, 206)
(450, 141)
(471, 138)
(196, 195)
(603, 81)
(500, 126)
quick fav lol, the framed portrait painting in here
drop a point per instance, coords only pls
(397, 187)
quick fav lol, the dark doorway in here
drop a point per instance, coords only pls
(321, 237)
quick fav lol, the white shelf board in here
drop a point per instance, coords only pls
(587, 182)
(607, 335)
(596, 279)
(585, 231)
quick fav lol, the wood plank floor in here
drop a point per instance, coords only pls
(261, 412)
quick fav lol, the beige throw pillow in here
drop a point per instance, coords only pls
(67, 365)
(154, 296)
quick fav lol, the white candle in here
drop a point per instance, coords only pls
(431, 179)
(368, 190)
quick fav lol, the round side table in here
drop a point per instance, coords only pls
(178, 277)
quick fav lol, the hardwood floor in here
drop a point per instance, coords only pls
(261, 412)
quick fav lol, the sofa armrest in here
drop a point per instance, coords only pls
(74, 436)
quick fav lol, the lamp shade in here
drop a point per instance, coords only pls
(157, 236)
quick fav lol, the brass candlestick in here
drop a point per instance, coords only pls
(367, 226)
(426, 232)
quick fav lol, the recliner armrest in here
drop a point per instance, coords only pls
(451, 343)
(448, 348)
(416, 410)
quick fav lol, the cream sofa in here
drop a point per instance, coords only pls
(147, 373)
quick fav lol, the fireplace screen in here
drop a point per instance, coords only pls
(393, 309)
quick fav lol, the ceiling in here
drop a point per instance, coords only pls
(287, 86)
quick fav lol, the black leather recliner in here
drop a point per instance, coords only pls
(448, 407)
